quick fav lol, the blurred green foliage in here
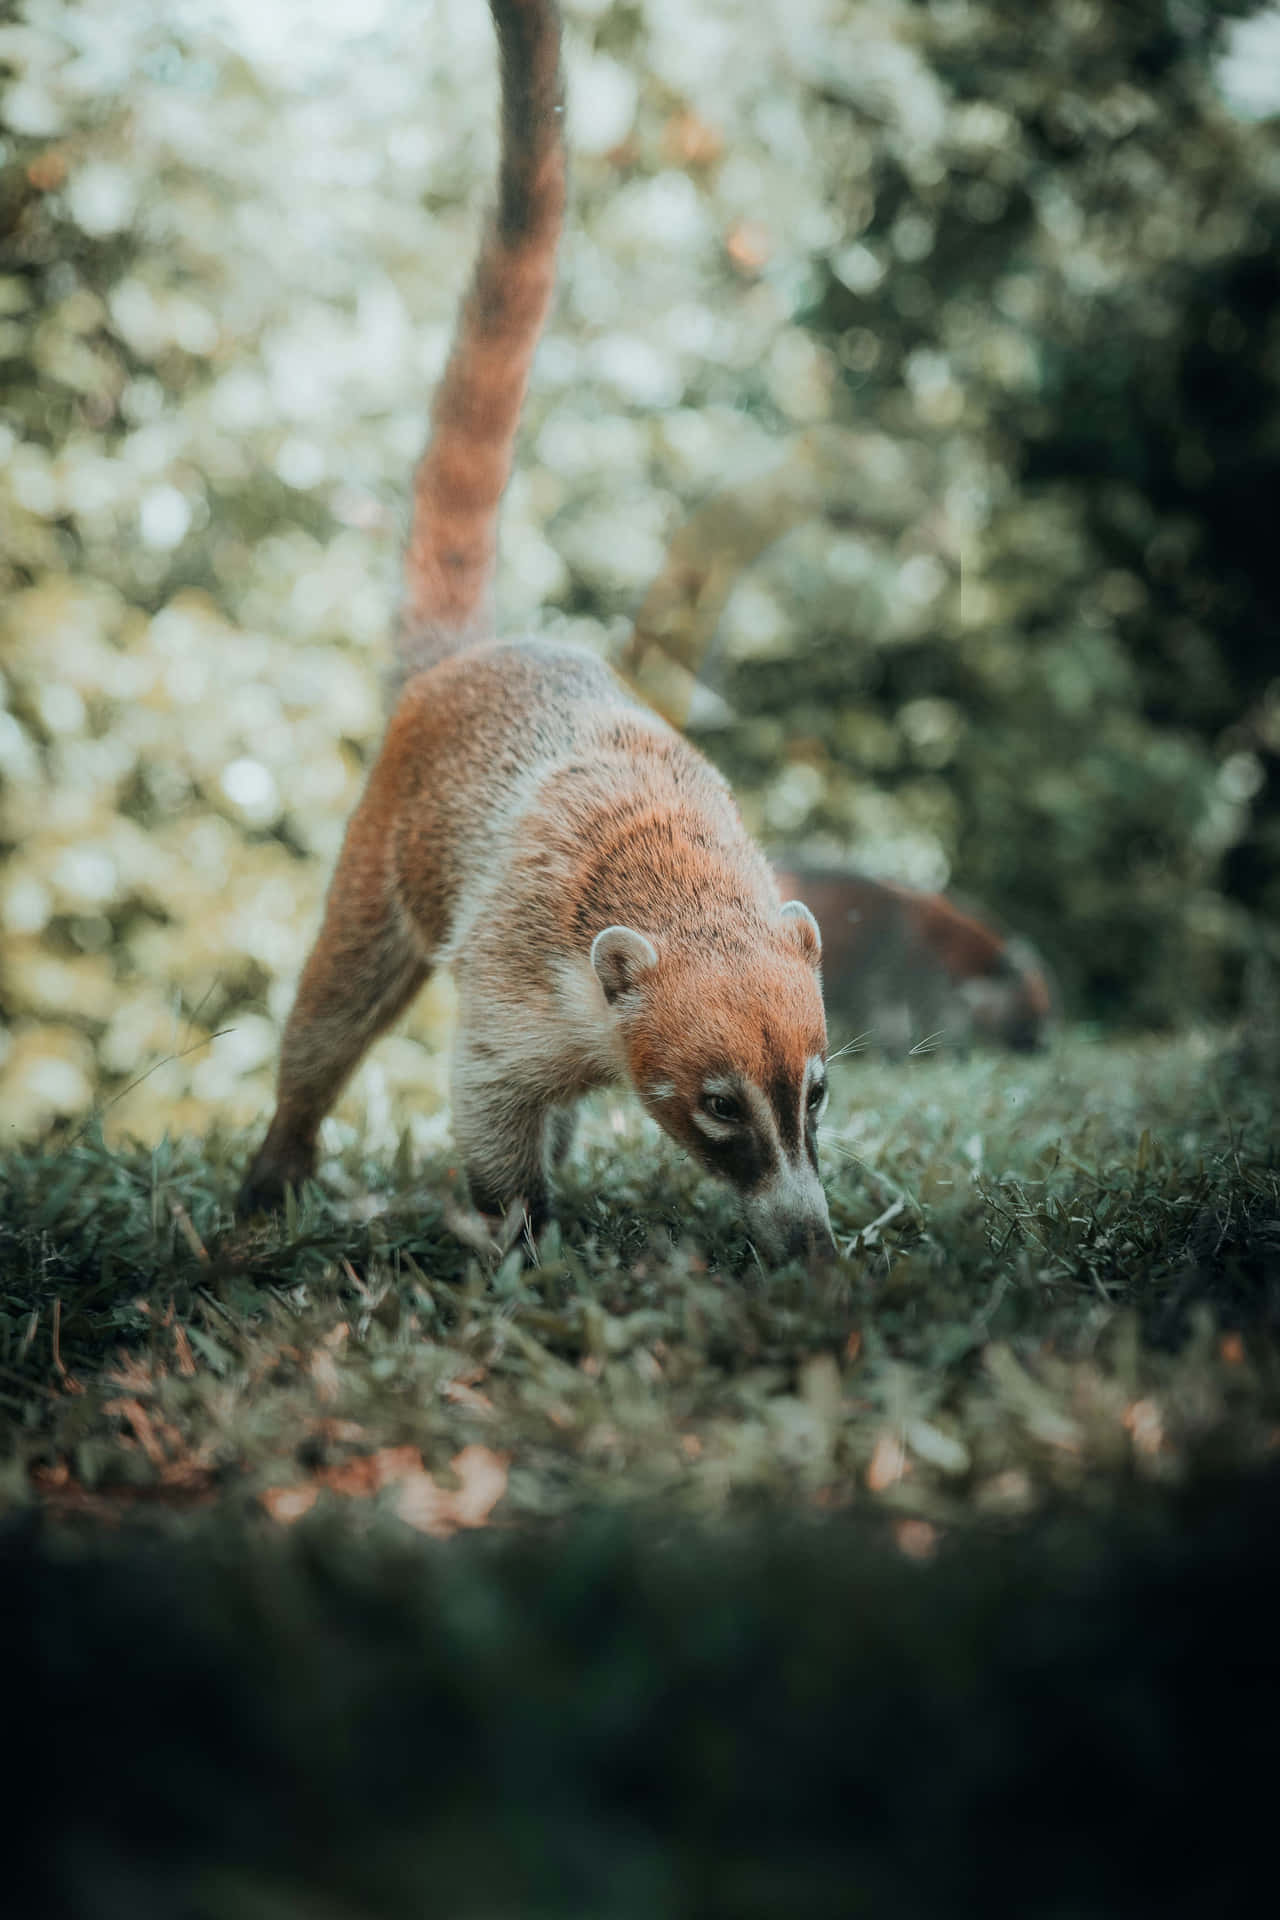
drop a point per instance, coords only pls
(1037, 268)
(1067, 300)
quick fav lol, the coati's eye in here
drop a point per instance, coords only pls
(723, 1106)
(814, 1097)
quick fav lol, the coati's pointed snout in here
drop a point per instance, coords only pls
(808, 1239)
(788, 1219)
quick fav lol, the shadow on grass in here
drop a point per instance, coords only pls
(620, 1720)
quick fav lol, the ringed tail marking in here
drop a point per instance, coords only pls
(460, 480)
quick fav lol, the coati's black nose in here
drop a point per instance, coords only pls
(809, 1240)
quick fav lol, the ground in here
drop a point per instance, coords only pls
(351, 1568)
(1057, 1274)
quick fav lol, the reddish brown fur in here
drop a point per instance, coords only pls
(507, 868)
(452, 547)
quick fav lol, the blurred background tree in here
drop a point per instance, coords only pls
(1022, 641)
(1056, 276)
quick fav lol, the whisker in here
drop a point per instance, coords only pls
(929, 1044)
(856, 1045)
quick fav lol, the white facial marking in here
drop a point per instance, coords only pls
(661, 1090)
(792, 1191)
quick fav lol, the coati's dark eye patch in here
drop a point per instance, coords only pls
(724, 1106)
(816, 1093)
(739, 1156)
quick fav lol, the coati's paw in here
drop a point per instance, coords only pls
(522, 1219)
(491, 1233)
(263, 1187)
(522, 1228)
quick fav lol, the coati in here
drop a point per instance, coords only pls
(531, 825)
(903, 965)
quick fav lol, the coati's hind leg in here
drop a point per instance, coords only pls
(363, 971)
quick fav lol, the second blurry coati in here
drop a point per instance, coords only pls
(531, 825)
(905, 967)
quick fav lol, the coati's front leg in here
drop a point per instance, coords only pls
(365, 968)
(562, 1125)
(510, 1134)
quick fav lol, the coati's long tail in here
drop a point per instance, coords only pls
(460, 480)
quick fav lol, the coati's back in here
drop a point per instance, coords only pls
(551, 764)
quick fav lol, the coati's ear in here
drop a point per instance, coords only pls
(804, 930)
(621, 956)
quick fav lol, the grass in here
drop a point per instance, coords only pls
(1057, 1276)
(942, 1581)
